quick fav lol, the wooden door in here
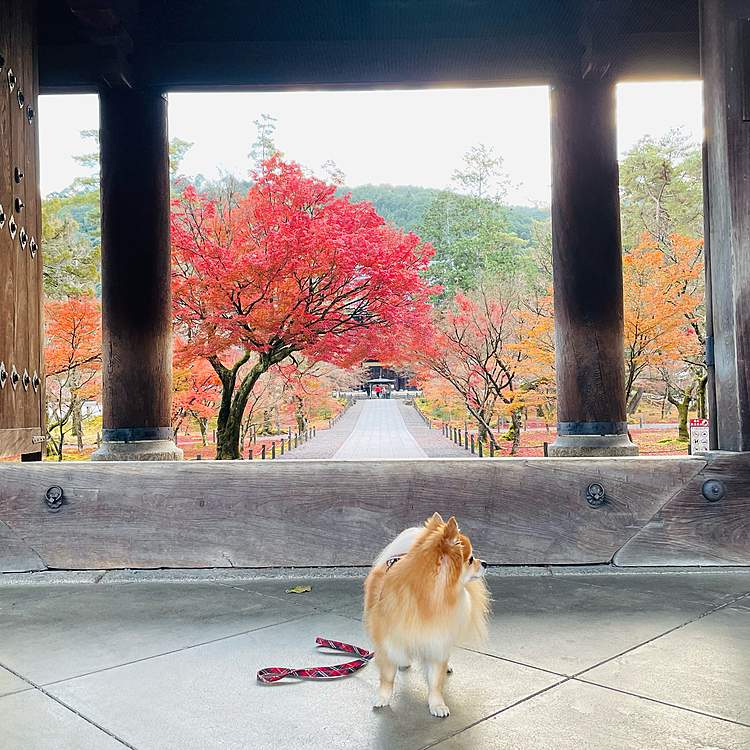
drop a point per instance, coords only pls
(22, 394)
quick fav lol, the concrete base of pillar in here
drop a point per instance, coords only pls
(139, 450)
(569, 446)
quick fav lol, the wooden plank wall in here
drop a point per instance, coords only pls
(21, 277)
(327, 513)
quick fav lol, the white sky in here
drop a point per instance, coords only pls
(397, 137)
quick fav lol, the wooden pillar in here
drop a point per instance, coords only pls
(725, 63)
(587, 263)
(136, 277)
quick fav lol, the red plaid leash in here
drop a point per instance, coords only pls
(273, 674)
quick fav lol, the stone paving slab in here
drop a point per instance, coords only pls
(576, 716)
(34, 721)
(9, 683)
(568, 625)
(704, 665)
(380, 432)
(212, 699)
(585, 660)
(47, 635)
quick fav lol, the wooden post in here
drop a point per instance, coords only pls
(263, 451)
(587, 262)
(472, 444)
(273, 449)
(282, 446)
(479, 442)
(725, 62)
(136, 277)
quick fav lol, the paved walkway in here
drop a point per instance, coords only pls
(380, 432)
(574, 660)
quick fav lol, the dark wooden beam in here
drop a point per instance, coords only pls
(726, 90)
(299, 513)
(587, 262)
(136, 266)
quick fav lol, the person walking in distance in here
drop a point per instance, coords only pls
(377, 391)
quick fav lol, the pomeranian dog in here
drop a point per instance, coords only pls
(425, 593)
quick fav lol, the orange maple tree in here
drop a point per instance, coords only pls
(663, 303)
(73, 356)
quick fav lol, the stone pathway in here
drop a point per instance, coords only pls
(380, 433)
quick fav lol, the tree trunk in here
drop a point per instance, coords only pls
(203, 424)
(267, 428)
(515, 430)
(232, 408)
(683, 406)
(635, 401)
(701, 396)
(78, 421)
(299, 415)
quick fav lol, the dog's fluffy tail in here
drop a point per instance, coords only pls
(399, 546)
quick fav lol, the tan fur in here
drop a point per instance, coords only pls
(424, 605)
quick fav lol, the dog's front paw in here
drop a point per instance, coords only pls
(439, 709)
(381, 701)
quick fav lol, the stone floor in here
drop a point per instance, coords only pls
(576, 659)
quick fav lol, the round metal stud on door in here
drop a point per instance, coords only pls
(12, 226)
(36, 381)
(33, 247)
(30, 114)
(713, 490)
(595, 495)
(21, 99)
(11, 79)
(14, 377)
(54, 497)
(3, 375)
(17, 175)
(23, 237)
(2, 217)
(19, 205)
(25, 379)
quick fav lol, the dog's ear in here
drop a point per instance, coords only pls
(450, 531)
(435, 521)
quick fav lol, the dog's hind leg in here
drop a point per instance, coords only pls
(436, 672)
(387, 676)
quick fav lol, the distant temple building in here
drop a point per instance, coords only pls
(379, 374)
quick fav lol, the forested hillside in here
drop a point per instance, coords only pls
(403, 205)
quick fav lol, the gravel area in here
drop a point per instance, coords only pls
(327, 442)
(432, 441)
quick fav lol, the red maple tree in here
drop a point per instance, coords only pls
(287, 268)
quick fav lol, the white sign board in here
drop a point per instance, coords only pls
(698, 435)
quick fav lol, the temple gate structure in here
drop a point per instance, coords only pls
(115, 512)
